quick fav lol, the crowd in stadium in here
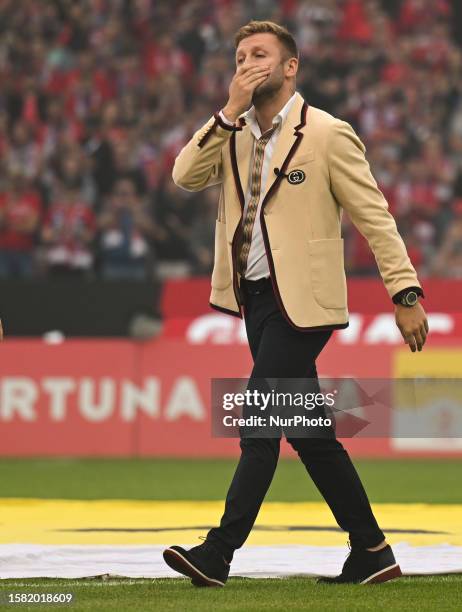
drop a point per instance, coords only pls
(97, 97)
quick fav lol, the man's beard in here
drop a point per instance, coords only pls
(267, 90)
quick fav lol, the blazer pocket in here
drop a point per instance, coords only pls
(328, 281)
(221, 275)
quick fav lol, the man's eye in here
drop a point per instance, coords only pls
(257, 55)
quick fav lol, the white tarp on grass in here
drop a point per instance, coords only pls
(64, 561)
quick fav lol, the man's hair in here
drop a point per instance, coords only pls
(269, 27)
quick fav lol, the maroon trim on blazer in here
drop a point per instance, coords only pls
(332, 327)
(289, 156)
(234, 166)
(226, 310)
(269, 256)
(225, 126)
(240, 194)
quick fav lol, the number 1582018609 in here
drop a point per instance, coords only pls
(23, 598)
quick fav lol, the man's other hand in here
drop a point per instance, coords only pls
(413, 325)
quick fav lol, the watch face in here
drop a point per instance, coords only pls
(410, 298)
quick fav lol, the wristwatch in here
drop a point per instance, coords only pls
(409, 298)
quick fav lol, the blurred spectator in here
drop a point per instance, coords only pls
(127, 232)
(176, 211)
(116, 158)
(72, 171)
(67, 234)
(23, 151)
(20, 210)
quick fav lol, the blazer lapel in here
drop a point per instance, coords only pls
(241, 146)
(286, 144)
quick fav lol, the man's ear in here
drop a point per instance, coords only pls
(292, 65)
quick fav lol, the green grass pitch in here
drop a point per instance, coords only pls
(403, 481)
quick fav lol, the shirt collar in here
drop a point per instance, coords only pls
(277, 119)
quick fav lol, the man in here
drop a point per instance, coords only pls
(286, 170)
(20, 211)
(126, 230)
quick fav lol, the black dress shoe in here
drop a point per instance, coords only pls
(204, 564)
(366, 567)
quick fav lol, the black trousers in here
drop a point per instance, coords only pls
(279, 350)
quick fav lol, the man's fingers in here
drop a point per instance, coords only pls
(253, 83)
(255, 79)
(423, 332)
(419, 340)
(252, 76)
(426, 325)
(415, 339)
(251, 68)
(409, 338)
(243, 69)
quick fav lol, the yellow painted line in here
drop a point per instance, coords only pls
(56, 521)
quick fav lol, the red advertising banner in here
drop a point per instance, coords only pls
(127, 398)
(122, 398)
(365, 295)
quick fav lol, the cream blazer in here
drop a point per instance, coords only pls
(319, 169)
